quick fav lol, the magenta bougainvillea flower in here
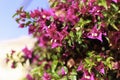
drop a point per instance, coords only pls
(27, 52)
(29, 77)
(13, 52)
(22, 25)
(96, 11)
(13, 65)
(43, 39)
(52, 32)
(65, 55)
(96, 34)
(100, 68)
(116, 65)
(46, 76)
(87, 76)
(80, 67)
(62, 72)
(23, 14)
(56, 43)
(116, 1)
(31, 29)
(35, 13)
(71, 17)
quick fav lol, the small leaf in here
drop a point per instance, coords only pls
(27, 15)
(53, 4)
(14, 15)
(87, 60)
(103, 3)
(27, 23)
(89, 69)
(115, 7)
(66, 69)
(114, 26)
(73, 75)
(21, 8)
(99, 59)
(109, 59)
(64, 78)
(54, 65)
(71, 34)
(64, 1)
(55, 75)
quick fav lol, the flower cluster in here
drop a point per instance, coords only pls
(76, 40)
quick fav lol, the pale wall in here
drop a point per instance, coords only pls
(6, 73)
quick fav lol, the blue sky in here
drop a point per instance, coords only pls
(8, 27)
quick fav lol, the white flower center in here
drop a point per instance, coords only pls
(94, 34)
(44, 16)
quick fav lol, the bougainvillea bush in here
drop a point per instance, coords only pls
(76, 40)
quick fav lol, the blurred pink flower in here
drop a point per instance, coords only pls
(46, 76)
(27, 52)
(29, 77)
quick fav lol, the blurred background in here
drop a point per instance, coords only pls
(12, 37)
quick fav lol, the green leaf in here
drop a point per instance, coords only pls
(54, 57)
(54, 65)
(90, 54)
(53, 4)
(82, 23)
(64, 78)
(98, 58)
(21, 8)
(103, 3)
(64, 1)
(73, 75)
(71, 34)
(79, 34)
(27, 23)
(58, 49)
(107, 62)
(28, 15)
(87, 60)
(89, 69)
(114, 26)
(115, 7)
(110, 66)
(109, 59)
(55, 75)
(119, 11)
(14, 15)
(66, 69)
(70, 42)
(37, 71)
